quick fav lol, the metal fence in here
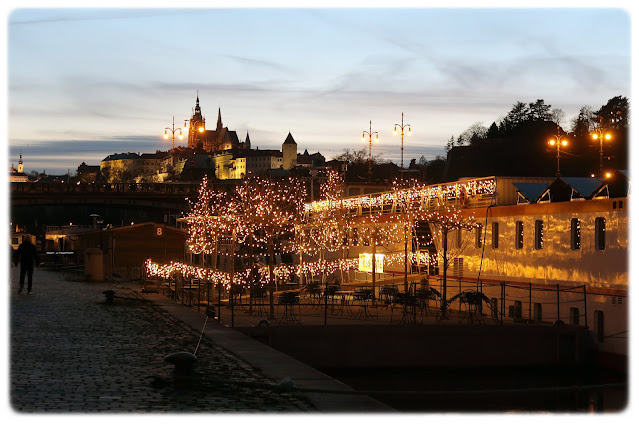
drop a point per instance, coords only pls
(324, 303)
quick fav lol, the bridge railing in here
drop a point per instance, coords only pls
(82, 187)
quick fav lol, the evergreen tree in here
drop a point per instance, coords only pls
(493, 131)
(538, 111)
(451, 143)
(517, 115)
(614, 114)
(584, 122)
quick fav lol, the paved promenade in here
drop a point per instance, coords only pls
(73, 352)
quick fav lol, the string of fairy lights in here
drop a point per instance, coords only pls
(248, 278)
(412, 193)
(263, 214)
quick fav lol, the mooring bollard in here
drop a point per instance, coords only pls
(183, 362)
(262, 332)
(109, 296)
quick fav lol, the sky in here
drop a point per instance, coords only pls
(86, 83)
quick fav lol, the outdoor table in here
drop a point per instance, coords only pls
(363, 297)
(425, 295)
(331, 291)
(289, 299)
(409, 305)
(344, 301)
(473, 300)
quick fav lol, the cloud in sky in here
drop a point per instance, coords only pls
(82, 75)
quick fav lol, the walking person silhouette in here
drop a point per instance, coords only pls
(26, 256)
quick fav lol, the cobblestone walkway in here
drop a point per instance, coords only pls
(72, 352)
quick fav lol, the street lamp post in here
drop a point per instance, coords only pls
(401, 126)
(558, 141)
(370, 134)
(97, 222)
(601, 134)
(173, 130)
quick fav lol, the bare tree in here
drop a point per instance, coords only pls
(557, 116)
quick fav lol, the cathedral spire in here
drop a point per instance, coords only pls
(219, 118)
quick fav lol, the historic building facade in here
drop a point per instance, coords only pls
(220, 139)
(18, 175)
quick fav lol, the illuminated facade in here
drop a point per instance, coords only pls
(130, 166)
(235, 159)
(567, 245)
(220, 139)
(18, 175)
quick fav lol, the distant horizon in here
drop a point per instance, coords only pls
(41, 154)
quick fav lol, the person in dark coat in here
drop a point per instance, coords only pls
(26, 256)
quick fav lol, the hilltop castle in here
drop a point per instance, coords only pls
(219, 151)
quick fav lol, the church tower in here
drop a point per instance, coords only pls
(289, 153)
(20, 165)
(219, 119)
(196, 125)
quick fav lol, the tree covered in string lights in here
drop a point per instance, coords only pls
(411, 210)
(206, 220)
(325, 230)
(269, 210)
(444, 224)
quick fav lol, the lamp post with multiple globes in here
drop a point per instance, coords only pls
(558, 141)
(600, 134)
(173, 130)
(370, 134)
(401, 126)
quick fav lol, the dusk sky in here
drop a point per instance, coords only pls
(86, 83)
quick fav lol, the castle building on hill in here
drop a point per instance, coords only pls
(220, 150)
(233, 158)
(220, 139)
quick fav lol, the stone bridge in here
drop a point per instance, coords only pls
(161, 196)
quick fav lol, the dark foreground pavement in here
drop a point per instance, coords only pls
(73, 352)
